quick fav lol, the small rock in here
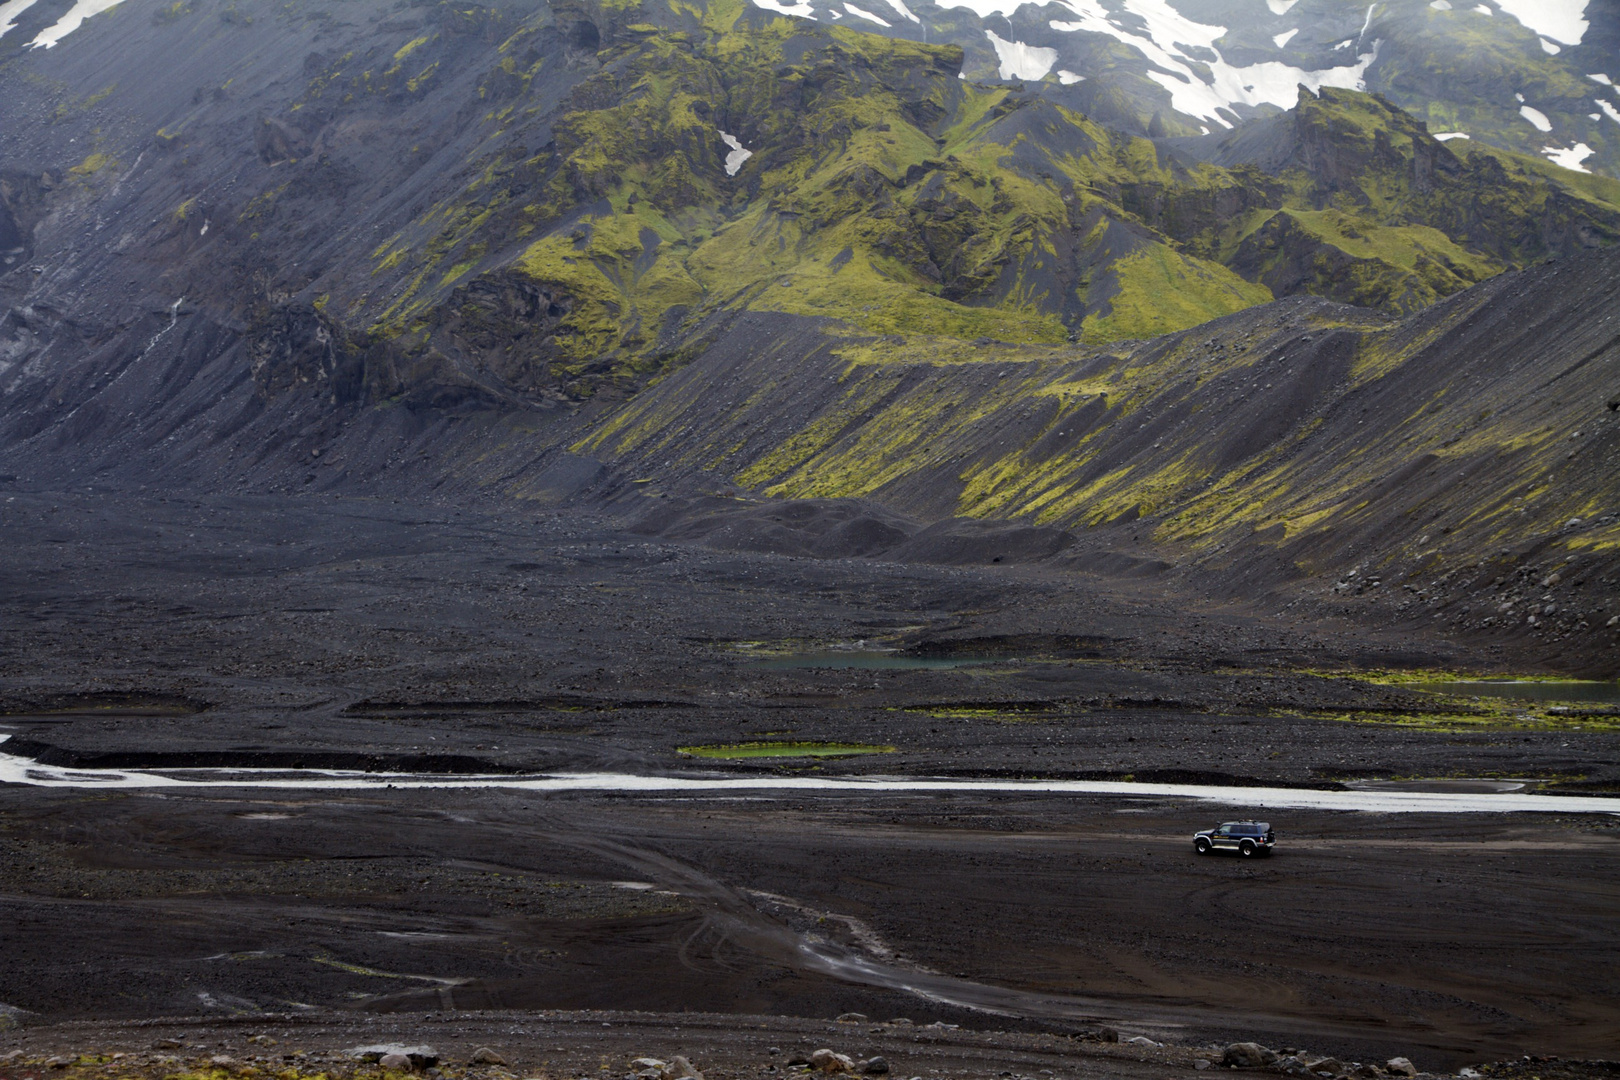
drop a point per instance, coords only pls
(1201, 1064)
(852, 1018)
(901, 1021)
(642, 1065)
(58, 1062)
(1400, 1066)
(1247, 1055)
(681, 1069)
(10, 1056)
(222, 1061)
(167, 1044)
(261, 1040)
(1615, 621)
(1108, 1034)
(395, 1062)
(1142, 1040)
(875, 1066)
(829, 1062)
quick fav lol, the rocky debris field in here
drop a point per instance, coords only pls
(610, 1045)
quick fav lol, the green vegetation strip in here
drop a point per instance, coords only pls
(783, 749)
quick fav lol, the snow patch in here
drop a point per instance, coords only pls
(738, 155)
(867, 15)
(903, 11)
(1345, 44)
(1482, 9)
(1020, 61)
(1284, 37)
(1537, 118)
(802, 9)
(1549, 48)
(1570, 158)
(70, 22)
(1447, 136)
(1441, 5)
(1561, 20)
(1601, 78)
(1178, 48)
(1069, 78)
(1613, 113)
(1280, 7)
(11, 11)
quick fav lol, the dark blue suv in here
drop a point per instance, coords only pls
(1247, 838)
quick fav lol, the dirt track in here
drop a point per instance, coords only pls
(141, 632)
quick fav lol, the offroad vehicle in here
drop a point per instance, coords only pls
(1247, 838)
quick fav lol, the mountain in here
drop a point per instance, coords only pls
(530, 204)
(632, 253)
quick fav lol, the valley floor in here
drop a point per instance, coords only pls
(146, 632)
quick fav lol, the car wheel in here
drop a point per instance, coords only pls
(1201, 845)
(1246, 848)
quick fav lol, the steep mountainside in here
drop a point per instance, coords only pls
(523, 204)
(551, 251)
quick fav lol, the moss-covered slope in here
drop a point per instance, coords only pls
(886, 193)
(487, 204)
(1280, 448)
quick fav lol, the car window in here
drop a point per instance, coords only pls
(1224, 830)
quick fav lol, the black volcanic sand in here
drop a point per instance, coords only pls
(142, 631)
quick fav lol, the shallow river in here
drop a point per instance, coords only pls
(1467, 799)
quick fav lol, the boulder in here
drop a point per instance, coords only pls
(422, 1057)
(485, 1056)
(10, 1056)
(1247, 1055)
(852, 1018)
(395, 1063)
(875, 1066)
(829, 1062)
(1399, 1066)
(1142, 1040)
(681, 1069)
(1202, 1063)
(1108, 1034)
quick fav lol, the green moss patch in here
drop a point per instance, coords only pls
(740, 751)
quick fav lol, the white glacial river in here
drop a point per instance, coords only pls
(20, 770)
